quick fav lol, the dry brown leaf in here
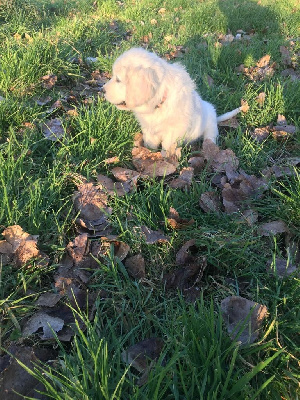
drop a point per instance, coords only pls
(230, 123)
(292, 74)
(23, 247)
(261, 98)
(91, 202)
(249, 216)
(281, 267)
(184, 180)
(239, 312)
(138, 140)
(190, 272)
(244, 106)
(219, 160)
(273, 228)
(143, 355)
(112, 160)
(53, 129)
(198, 163)
(15, 381)
(151, 164)
(210, 202)
(285, 55)
(176, 222)
(135, 266)
(153, 237)
(43, 321)
(125, 174)
(264, 61)
(48, 81)
(113, 188)
(260, 134)
(48, 299)
(241, 190)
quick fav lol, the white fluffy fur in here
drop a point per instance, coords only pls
(163, 98)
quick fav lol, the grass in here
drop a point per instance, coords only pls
(201, 362)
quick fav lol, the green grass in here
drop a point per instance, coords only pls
(38, 37)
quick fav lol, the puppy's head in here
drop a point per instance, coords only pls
(135, 81)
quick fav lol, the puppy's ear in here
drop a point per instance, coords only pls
(141, 86)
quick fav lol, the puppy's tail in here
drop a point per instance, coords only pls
(228, 115)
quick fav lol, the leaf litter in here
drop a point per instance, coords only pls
(95, 240)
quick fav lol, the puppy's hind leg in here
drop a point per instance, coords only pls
(211, 130)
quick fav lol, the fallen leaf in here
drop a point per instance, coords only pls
(210, 202)
(48, 299)
(219, 160)
(135, 266)
(125, 174)
(230, 123)
(141, 354)
(285, 55)
(48, 81)
(273, 228)
(198, 163)
(281, 267)
(113, 188)
(241, 190)
(15, 381)
(53, 129)
(153, 237)
(176, 222)
(264, 61)
(292, 74)
(112, 160)
(91, 203)
(151, 164)
(43, 321)
(249, 216)
(23, 248)
(190, 272)
(261, 98)
(184, 180)
(260, 134)
(240, 313)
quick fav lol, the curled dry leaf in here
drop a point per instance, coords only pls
(113, 188)
(91, 203)
(125, 174)
(135, 266)
(153, 237)
(249, 216)
(48, 299)
(48, 81)
(261, 71)
(281, 267)
(53, 130)
(176, 222)
(219, 160)
(151, 164)
(198, 163)
(210, 202)
(190, 272)
(141, 354)
(112, 160)
(43, 321)
(260, 134)
(261, 98)
(20, 247)
(273, 228)
(243, 188)
(15, 381)
(240, 313)
(184, 180)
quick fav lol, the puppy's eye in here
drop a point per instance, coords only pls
(118, 80)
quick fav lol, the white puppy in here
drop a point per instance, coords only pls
(163, 98)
